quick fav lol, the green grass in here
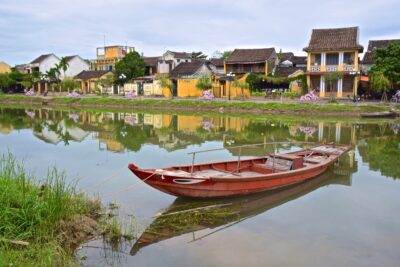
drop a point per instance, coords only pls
(33, 210)
(5, 97)
(194, 104)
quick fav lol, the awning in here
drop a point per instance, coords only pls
(364, 78)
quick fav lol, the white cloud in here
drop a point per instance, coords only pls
(30, 28)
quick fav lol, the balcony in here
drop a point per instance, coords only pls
(315, 68)
(330, 68)
(348, 68)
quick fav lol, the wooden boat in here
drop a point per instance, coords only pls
(384, 114)
(241, 177)
(186, 216)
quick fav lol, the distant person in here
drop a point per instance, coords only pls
(397, 95)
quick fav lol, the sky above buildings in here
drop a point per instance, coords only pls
(68, 27)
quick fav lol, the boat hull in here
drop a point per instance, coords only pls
(233, 178)
(211, 188)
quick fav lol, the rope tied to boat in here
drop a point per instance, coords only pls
(132, 186)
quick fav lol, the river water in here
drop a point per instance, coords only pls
(349, 216)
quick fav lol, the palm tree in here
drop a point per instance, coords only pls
(62, 65)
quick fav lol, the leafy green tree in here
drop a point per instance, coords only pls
(240, 84)
(380, 83)
(388, 62)
(333, 76)
(198, 55)
(70, 84)
(129, 67)
(253, 80)
(226, 54)
(106, 82)
(166, 83)
(204, 83)
(5, 82)
(63, 65)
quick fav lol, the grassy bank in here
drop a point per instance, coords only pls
(41, 220)
(245, 106)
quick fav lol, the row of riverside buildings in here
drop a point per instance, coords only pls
(329, 50)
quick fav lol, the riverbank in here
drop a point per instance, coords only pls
(43, 221)
(347, 109)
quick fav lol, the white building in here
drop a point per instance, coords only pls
(76, 65)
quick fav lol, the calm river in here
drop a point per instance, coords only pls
(349, 216)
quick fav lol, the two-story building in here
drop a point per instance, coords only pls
(107, 56)
(334, 50)
(259, 61)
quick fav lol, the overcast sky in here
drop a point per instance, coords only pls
(66, 27)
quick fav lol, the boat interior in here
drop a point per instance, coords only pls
(273, 163)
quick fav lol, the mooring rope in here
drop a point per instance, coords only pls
(129, 187)
(108, 178)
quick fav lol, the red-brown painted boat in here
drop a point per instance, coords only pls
(242, 177)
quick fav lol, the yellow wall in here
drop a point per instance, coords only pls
(187, 88)
(92, 83)
(4, 68)
(111, 52)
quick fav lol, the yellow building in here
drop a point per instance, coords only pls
(89, 80)
(107, 56)
(4, 67)
(334, 50)
(259, 61)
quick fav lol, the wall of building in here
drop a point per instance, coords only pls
(48, 63)
(75, 66)
(187, 88)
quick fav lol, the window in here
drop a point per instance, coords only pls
(347, 59)
(332, 59)
(178, 60)
(317, 59)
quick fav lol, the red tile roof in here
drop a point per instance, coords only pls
(373, 45)
(249, 56)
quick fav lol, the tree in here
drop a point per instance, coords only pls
(129, 67)
(253, 80)
(388, 62)
(204, 83)
(226, 54)
(5, 82)
(165, 83)
(240, 84)
(198, 55)
(380, 83)
(70, 84)
(106, 82)
(333, 76)
(63, 65)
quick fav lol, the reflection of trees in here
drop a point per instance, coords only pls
(382, 154)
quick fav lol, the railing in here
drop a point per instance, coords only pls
(240, 151)
(331, 67)
(315, 68)
(348, 68)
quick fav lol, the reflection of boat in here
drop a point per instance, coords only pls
(233, 178)
(185, 216)
(384, 114)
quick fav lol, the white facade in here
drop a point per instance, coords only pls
(75, 66)
(169, 60)
(46, 64)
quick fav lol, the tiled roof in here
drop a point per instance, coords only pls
(373, 45)
(249, 56)
(182, 55)
(286, 56)
(90, 74)
(151, 61)
(40, 59)
(218, 62)
(187, 68)
(334, 39)
(68, 58)
(286, 71)
(299, 60)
